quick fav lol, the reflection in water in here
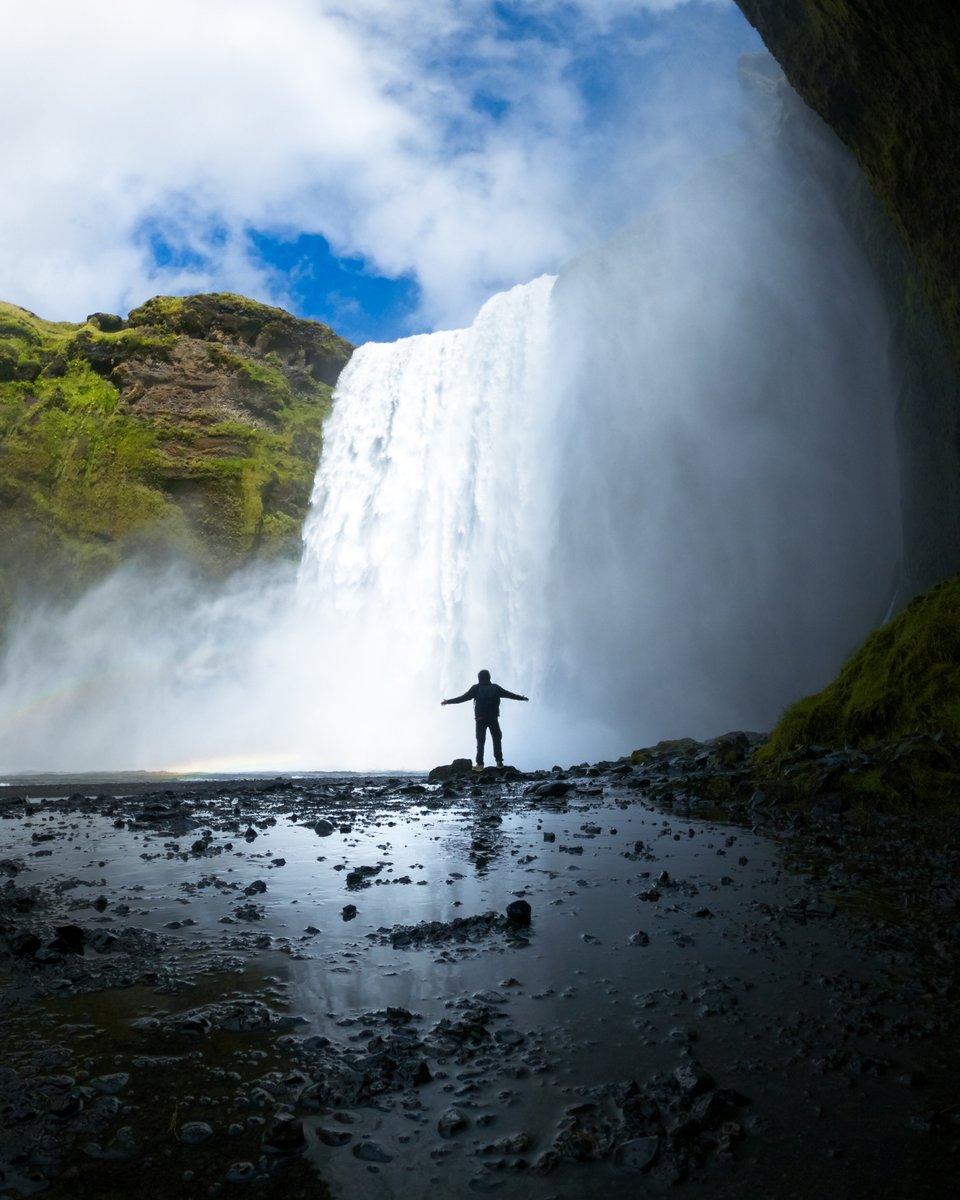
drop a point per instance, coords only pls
(655, 941)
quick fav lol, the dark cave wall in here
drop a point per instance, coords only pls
(885, 75)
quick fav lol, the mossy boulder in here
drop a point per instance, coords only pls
(886, 732)
(904, 680)
(192, 428)
(299, 346)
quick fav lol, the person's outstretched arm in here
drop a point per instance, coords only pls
(510, 695)
(467, 695)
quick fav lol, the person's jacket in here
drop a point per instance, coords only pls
(486, 699)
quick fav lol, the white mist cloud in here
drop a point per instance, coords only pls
(426, 137)
(659, 496)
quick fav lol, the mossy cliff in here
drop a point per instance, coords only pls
(883, 74)
(904, 680)
(883, 736)
(192, 428)
(886, 731)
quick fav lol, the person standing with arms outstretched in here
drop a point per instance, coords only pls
(486, 697)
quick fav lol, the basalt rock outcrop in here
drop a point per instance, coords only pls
(191, 428)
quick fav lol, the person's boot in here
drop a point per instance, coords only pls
(478, 767)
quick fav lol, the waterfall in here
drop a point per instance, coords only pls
(729, 503)
(658, 495)
(424, 548)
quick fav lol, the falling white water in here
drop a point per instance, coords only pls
(426, 525)
(423, 562)
(424, 550)
(658, 496)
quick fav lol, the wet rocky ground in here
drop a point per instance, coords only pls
(611, 980)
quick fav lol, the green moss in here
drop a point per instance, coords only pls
(176, 312)
(904, 680)
(95, 464)
(160, 312)
(265, 381)
(886, 733)
(901, 775)
(22, 324)
(123, 342)
(650, 754)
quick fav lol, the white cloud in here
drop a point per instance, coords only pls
(361, 121)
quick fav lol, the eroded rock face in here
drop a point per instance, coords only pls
(193, 428)
(239, 323)
(885, 80)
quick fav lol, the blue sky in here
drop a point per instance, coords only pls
(381, 165)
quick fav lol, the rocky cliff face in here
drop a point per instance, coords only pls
(884, 75)
(192, 428)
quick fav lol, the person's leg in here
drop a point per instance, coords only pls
(481, 738)
(497, 737)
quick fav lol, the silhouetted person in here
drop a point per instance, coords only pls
(486, 697)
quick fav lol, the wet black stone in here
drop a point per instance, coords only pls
(240, 1172)
(550, 789)
(333, 1137)
(23, 945)
(693, 1080)
(360, 877)
(397, 1015)
(451, 1123)
(69, 939)
(416, 1074)
(284, 1134)
(519, 912)
(248, 912)
(715, 1107)
(638, 1154)
(685, 1128)
(194, 1133)
(103, 941)
(371, 1152)
(65, 1106)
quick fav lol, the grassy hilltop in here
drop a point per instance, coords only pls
(192, 428)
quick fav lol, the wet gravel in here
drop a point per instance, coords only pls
(608, 981)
